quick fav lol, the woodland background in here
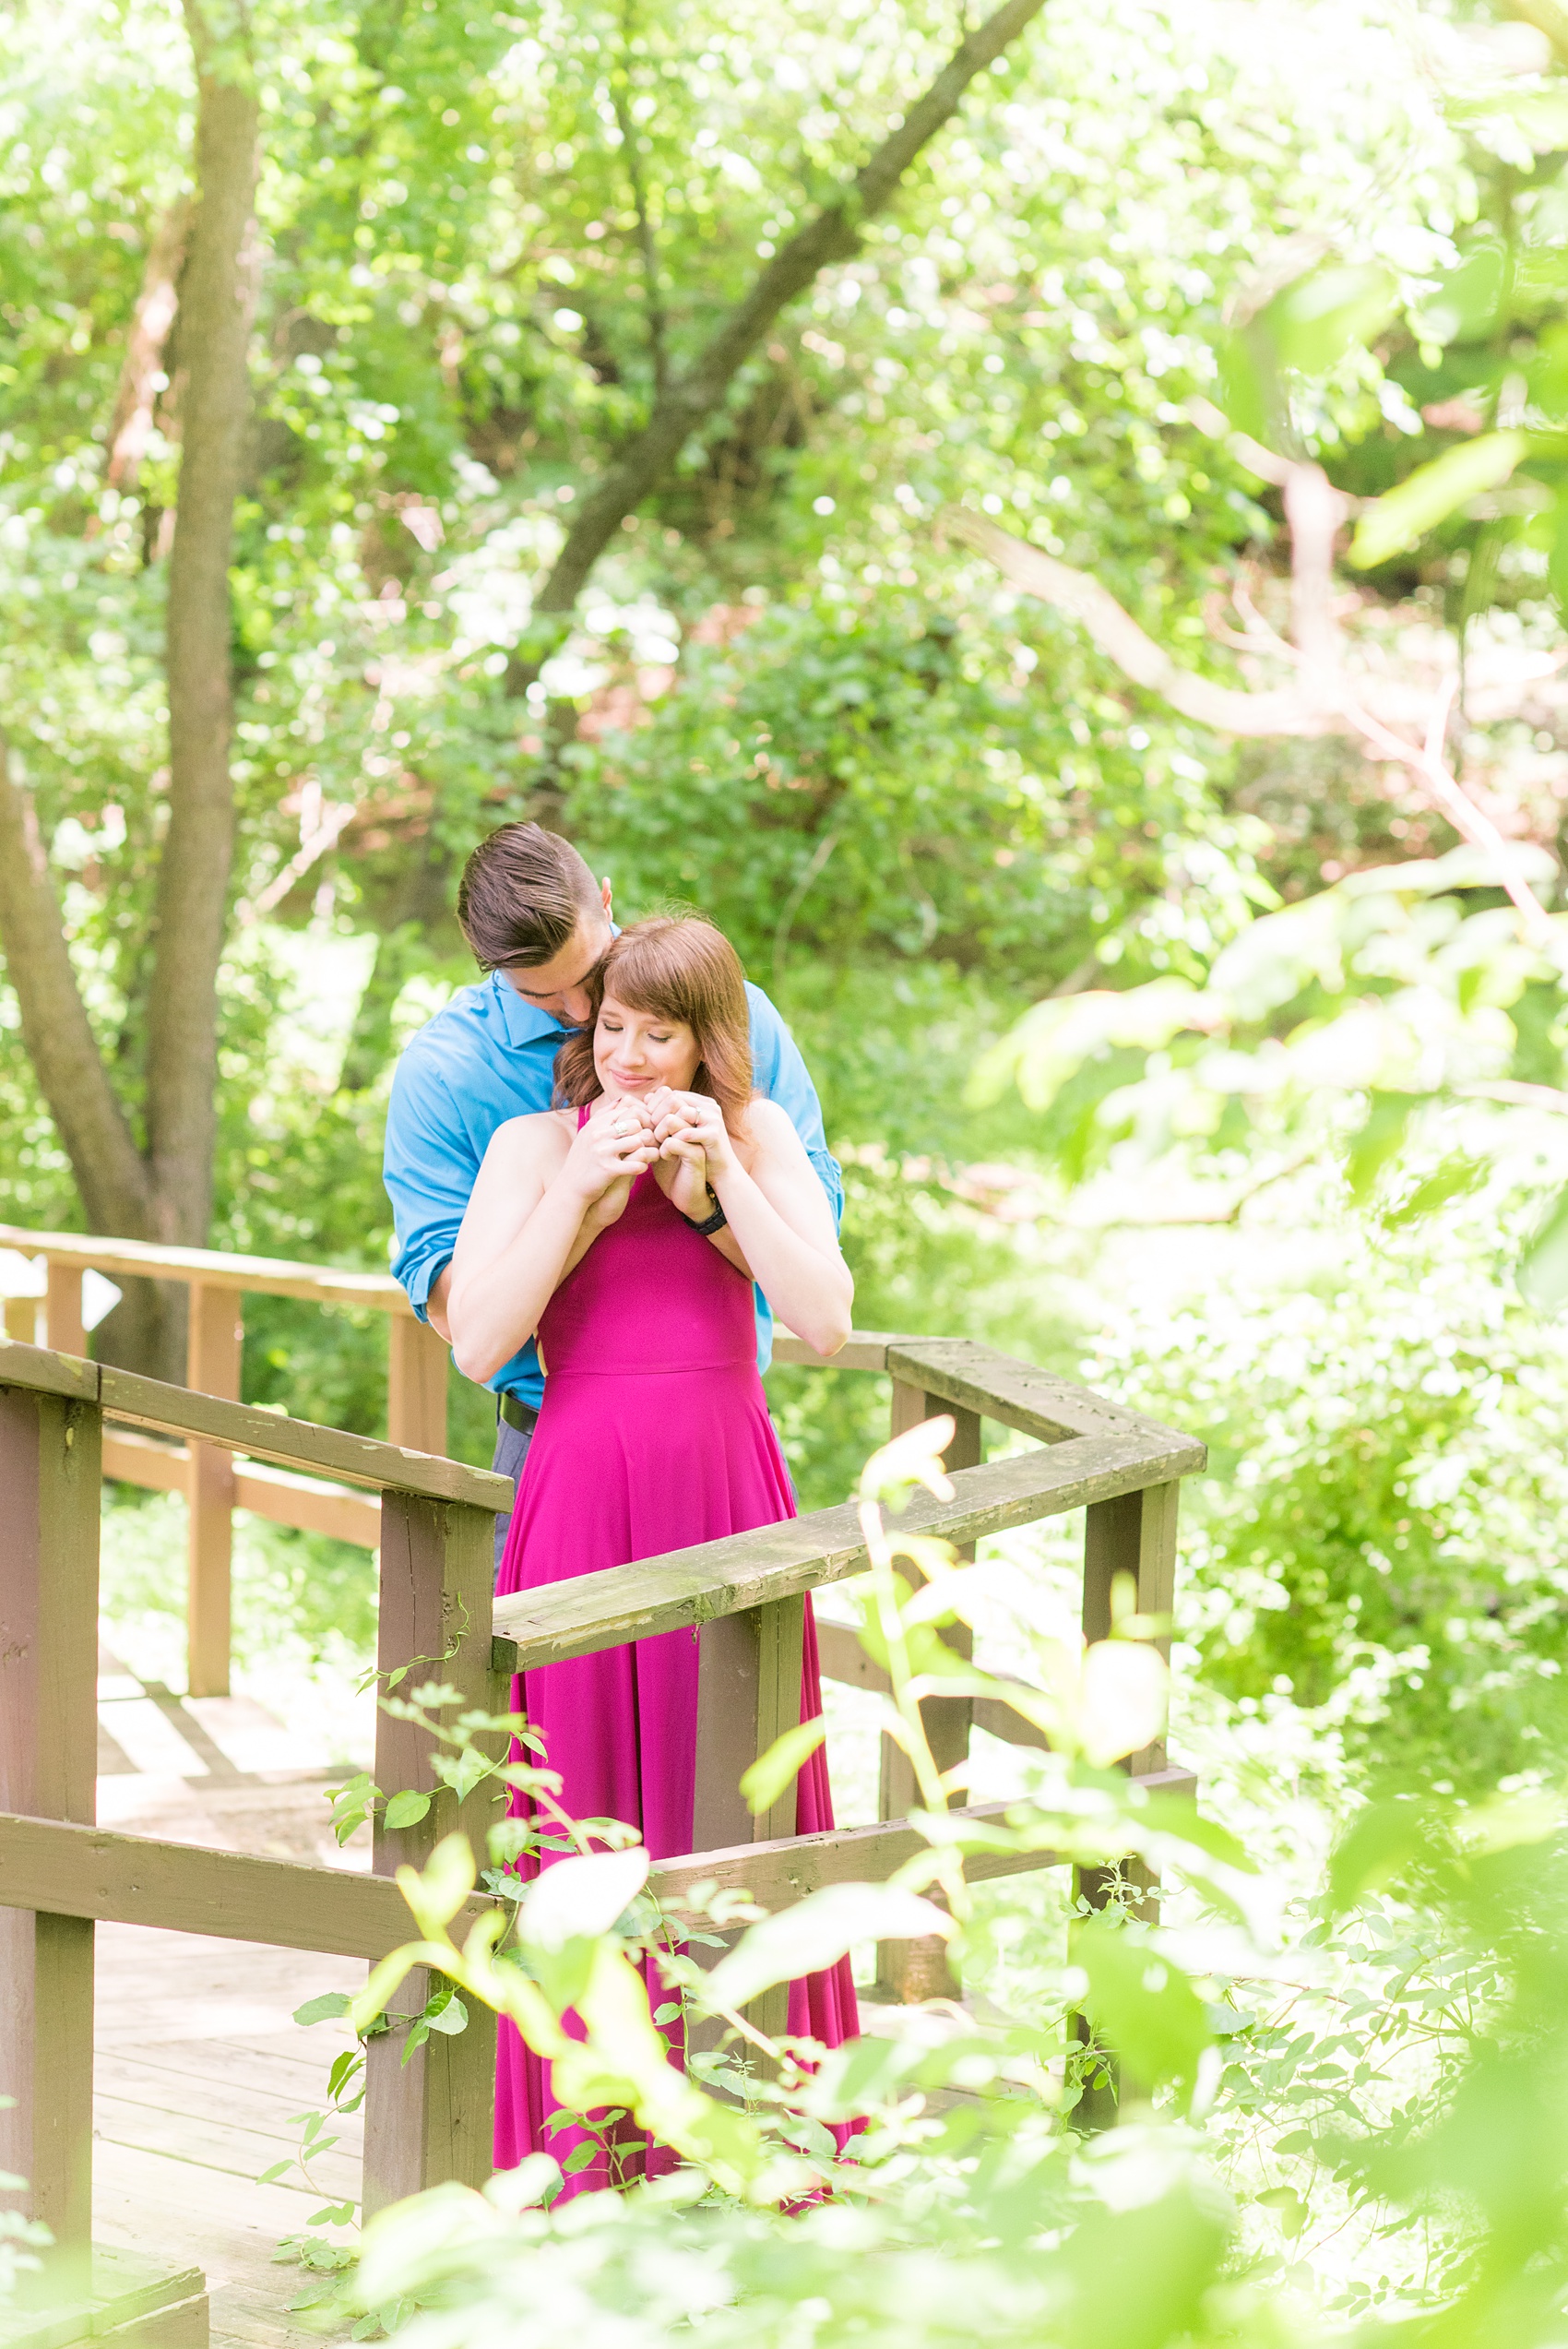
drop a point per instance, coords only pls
(531, 504)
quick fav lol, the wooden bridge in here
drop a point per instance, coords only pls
(66, 1421)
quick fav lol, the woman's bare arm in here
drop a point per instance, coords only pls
(541, 1199)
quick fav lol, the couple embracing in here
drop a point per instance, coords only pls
(607, 1171)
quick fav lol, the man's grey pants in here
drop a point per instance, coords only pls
(511, 1450)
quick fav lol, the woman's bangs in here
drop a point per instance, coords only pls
(643, 981)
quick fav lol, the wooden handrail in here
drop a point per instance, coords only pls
(594, 1611)
(126, 1397)
(73, 1870)
(210, 1268)
(428, 2108)
(215, 1283)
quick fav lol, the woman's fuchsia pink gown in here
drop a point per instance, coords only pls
(654, 1435)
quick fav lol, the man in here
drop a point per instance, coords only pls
(538, 926)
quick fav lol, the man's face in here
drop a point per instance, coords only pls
(559, 987)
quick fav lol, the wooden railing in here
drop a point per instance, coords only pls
(212, 1482)
(430, 2118)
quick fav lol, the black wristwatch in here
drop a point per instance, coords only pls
(715, 1222)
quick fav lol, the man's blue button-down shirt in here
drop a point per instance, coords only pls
(489, 1055)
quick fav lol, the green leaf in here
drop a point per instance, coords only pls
(1377, 1846)
(579, 1899)
(1450, 1180)
(433, 1695)
(772, 1771)
(1432, 492)
(326, 2009)
(1467, 298)
(1543, 1268)
(816, 1933)
(1312, 323)
(1142, 2003)
(332, 2214)
(344, 2068)
(581, 2155)
(407, 1808)
(1178, 1815)
(1388, 1120)
(1244, 388)
(1287, 2207)
(269, 2178)
(462, 1771)
(449, 2017)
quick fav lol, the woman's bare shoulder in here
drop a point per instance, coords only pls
(521, 1142)
(767, 1127)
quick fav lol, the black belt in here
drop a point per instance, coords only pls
(517, 1413)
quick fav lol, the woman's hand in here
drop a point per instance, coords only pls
(693, 1145)
(606, 1158)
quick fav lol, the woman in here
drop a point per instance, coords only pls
(627, 1228)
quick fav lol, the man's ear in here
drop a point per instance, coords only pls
(605, 894)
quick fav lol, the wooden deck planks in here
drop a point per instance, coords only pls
(200, 2067)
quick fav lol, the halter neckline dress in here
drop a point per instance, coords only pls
(653, 1436)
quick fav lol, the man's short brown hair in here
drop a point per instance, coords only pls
(523, 892)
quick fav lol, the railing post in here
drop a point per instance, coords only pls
(50, 1454)
(432, 2119)
(63, 1308)
(21, 1320)
(1134, 1534)
(748, 1695)
(215, 1339)
(416, 1385)
(909, 1971)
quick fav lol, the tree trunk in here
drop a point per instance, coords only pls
(145, 1326)
(217, 300)
(163, 1191)
(59, 1041)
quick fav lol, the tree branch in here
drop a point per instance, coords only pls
(55, 1030)
(1118, 635)
(1323, 700)
(833, 235)
(135, 397)
(217, 298)
(632, 149)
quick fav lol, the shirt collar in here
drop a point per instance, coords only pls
(525, 1023)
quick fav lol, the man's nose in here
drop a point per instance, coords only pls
(576, 1009)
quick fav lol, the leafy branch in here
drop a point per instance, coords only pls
(686, 400)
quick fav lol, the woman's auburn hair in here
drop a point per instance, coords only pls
(678, 967)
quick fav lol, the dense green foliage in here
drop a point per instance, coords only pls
(1255, 1141)
(1368, 2110)
(917, 802)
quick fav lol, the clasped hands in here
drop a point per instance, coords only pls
(683, 1133)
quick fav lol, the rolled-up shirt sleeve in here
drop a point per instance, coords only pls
(429, 1167)
(778, 1071)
